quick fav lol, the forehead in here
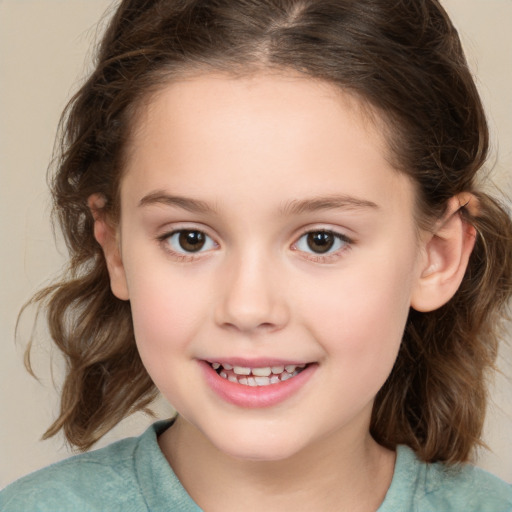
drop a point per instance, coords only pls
(212, 134)
(255, 94)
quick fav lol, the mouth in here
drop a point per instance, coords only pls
(258, 383)
(259, 376)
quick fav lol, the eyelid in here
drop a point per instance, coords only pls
(323, 257)
(170, 228)
(183, 255)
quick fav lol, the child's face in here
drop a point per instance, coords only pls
(225, 179)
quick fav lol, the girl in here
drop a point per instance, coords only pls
(273, 218)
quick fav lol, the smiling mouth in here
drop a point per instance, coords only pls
(254, 377)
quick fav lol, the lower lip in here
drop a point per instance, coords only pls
(258, 396)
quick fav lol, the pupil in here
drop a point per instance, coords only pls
(192, 241)
(320, 241)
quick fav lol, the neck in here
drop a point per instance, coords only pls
(338, 473)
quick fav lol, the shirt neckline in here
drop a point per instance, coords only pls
(158, 482)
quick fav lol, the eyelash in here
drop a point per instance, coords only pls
(184, 256)
(326, 257)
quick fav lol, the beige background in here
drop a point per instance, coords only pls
(43, 49)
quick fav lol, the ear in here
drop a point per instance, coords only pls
(447, 252)
(107, 236)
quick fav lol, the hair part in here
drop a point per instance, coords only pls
(403, 59)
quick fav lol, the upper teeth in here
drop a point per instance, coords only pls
(242, 370)
(264, 371)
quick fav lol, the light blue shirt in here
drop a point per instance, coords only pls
(133, 475)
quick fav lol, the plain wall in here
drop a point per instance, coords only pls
(43, 49)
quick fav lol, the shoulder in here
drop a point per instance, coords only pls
(420, 487)
(100, 480)
(466, 487)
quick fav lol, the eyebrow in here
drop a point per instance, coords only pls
(294, 207)
(314, 204)
(191, 205)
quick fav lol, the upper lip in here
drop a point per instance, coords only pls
(255, 363)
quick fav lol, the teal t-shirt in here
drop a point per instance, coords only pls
(133, 475)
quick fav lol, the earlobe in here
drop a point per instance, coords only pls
(107, 236)
(446, 256)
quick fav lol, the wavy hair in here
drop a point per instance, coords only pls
(402, 58)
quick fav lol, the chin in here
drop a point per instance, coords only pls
(260, 448)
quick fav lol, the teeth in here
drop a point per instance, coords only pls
(259, 372)
(253, 377)
(255, 381)
(241, 370)
(262, 372)
(262, 381)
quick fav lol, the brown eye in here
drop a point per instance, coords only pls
(191, 241)
(186, 241)
(320, 241)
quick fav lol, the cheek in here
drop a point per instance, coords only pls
(166, 310)
(166, 317)
(359, 319)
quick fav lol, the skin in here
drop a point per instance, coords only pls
(247, 151)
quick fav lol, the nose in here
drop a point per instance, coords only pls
(251, 299)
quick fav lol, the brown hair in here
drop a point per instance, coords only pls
(403, 58)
